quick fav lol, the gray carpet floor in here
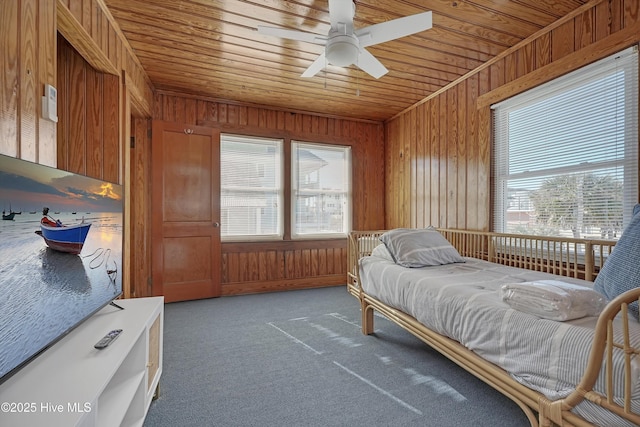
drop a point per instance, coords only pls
(298, 358)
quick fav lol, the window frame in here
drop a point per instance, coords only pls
(501, 157)
(347, 192)
(279, 173)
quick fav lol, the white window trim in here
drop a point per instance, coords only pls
(280, 174)
(294, 191)
(501, 156)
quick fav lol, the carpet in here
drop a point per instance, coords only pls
(298, 358)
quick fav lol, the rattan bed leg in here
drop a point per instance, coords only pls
(550, 412)
(367, 318)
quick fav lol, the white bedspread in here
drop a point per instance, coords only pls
(462, 302)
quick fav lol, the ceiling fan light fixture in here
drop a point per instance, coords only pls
(342, 50)
(345, 45)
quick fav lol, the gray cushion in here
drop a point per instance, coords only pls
(621, 271)
(411, 247)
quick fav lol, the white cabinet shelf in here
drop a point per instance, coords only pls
(73, 384)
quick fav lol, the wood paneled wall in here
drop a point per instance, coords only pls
(259, 267)
(88, 111)
(140, 204)
(93, 32)
(28, 46)
(438, 153)
(28, 62)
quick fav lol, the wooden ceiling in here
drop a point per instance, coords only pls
(211, 48)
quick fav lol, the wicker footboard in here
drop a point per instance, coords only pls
(567, 257)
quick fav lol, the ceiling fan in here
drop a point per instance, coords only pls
(344, 45)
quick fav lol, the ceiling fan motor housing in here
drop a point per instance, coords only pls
(342, 49)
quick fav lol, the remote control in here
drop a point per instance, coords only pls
(108, 339)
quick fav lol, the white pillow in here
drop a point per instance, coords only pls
(412, 247)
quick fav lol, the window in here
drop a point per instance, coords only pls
(251, 188)
(321, 190)
(566, 157)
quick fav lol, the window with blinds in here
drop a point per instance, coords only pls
(321, 190)
(251, 188)
(566, 153)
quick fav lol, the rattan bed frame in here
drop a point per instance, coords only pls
(579, 258)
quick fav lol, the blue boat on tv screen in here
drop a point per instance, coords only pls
(61, 242)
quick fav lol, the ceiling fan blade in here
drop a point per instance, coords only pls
(394, 29)
(292, 34)
(370, 64)
(316, 66)
(341, 12)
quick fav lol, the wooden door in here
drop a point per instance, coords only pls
(185, 211)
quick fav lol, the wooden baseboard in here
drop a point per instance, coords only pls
(241, 288)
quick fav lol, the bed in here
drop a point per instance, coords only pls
(582, 371)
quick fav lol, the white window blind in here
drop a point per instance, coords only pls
(321, 190)
(251, 188)
(566, 153)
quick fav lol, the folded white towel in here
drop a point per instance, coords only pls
(553, 299)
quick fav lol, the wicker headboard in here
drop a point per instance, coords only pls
(564, 256)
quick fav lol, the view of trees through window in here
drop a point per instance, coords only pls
(587, 205)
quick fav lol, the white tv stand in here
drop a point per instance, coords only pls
(73, 384)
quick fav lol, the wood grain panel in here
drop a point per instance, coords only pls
(112, 160)
(453, 171)
(585, 31)
(434, 202)
(461, 194)
(29, 99)
(62, 146)
(472, 200)
(443, 170)
(186, 259)
(542, 50)
(140, 209)
(94, 136)
(76, 75)
(9, 85)
(47, 71)
(602, 21)
(631, 12)
(89, 124)
(188, 196)
(563, 40)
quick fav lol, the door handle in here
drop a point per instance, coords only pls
(216, 224)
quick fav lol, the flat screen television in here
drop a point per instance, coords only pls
(61, 241)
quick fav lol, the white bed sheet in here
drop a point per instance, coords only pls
(462, 301)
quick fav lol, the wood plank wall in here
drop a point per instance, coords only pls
(28, 62)
(93, 32)
(88, 110)
(140, 204)
(258, 267)
(438, 153)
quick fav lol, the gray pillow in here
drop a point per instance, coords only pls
(621, 271)
(411, 247)
(381, 251)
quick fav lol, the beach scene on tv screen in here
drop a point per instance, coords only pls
(60, 254)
